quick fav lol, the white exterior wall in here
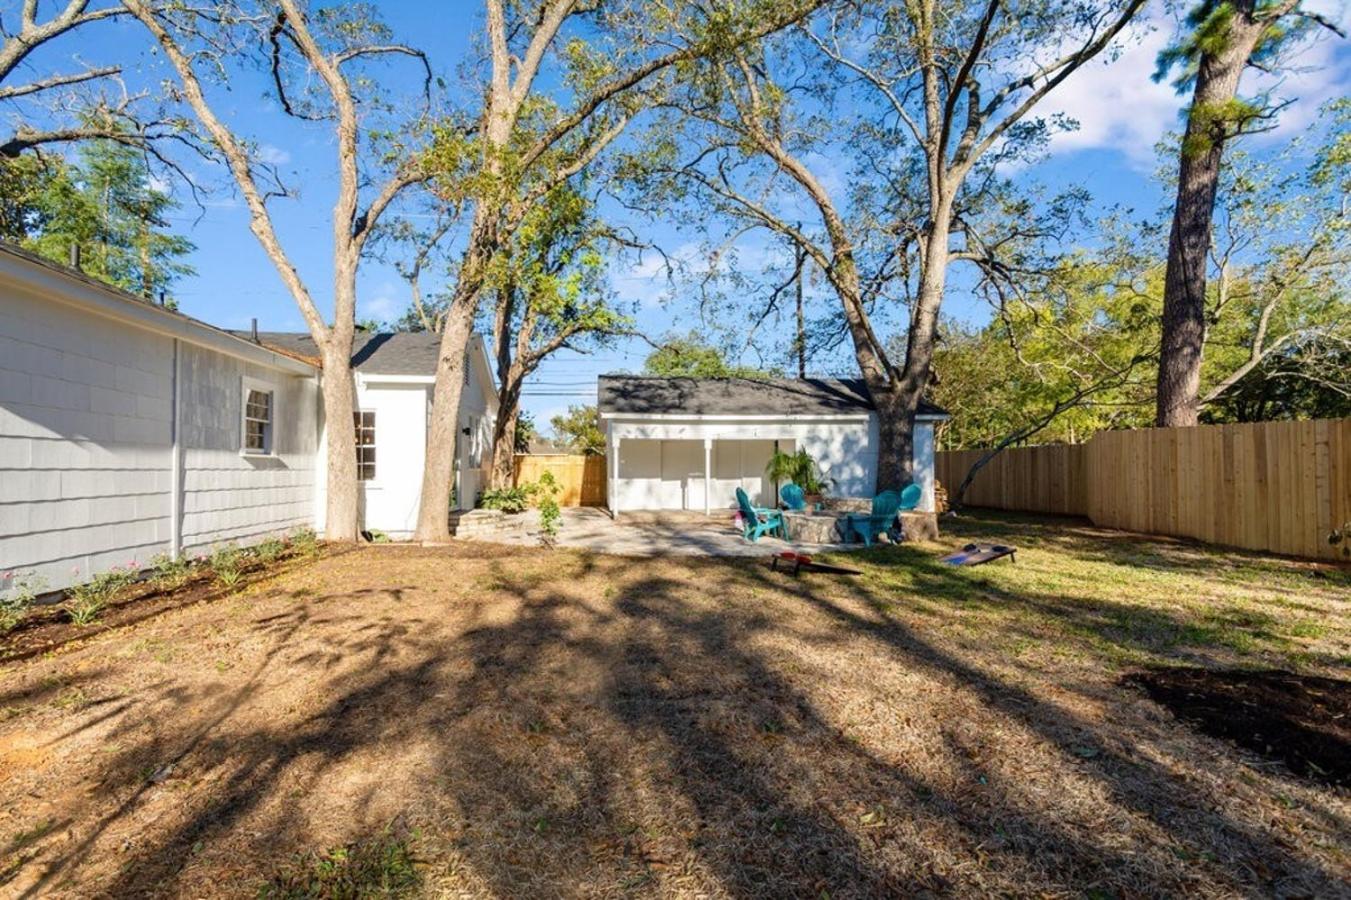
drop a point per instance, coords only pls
(228, 496)
(87, 438)
(389, 502)
(844, 448)
(402, 407)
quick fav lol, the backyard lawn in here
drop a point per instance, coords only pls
(479, 720)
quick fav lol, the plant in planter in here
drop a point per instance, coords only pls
(799, 468)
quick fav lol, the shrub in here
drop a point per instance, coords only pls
(799, 468)
(270, 550)
(510, 500)
(85, 601)
(304, 542)
(18, 599)
(550, 516)
(228, 564)
(169, 571)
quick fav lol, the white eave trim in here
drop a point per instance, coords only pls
(110, 303)
(377, 378)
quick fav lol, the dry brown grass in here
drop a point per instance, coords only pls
(538, 723)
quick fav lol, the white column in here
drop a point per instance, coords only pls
(176, 459)
(708, 472)
(614, 474)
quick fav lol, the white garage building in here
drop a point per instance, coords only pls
(689, 443)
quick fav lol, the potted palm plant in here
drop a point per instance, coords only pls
(800, 469)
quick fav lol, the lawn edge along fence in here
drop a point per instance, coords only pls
(580, 477)
(1274, 486)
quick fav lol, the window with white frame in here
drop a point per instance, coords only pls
(260, 411)
(364, 422)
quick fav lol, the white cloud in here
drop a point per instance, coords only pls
(384, 304)
(273, 156)
(1116, 103)
(1119, 106)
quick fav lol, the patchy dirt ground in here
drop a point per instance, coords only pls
(536, 723)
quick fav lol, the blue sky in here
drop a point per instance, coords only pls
(1121, 112)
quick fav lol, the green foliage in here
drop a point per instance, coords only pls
(106, 202)
(799, 468)
(18, 598)
(579, 428)
(304, 542)
(170, 572)
(511, 500)
(550, 516)
(382, 866)
(270, 550)
(84, 602)
(525, 432)
(228, 562)
(690, 357)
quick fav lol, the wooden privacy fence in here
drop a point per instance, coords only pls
(1274, 486)
(582, 478)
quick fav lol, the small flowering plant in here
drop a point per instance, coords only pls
(17, 598)
(84, 602)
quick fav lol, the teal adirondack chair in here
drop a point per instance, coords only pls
(793, 496)
(885, 507)
(758, 521)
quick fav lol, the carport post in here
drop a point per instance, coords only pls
(708, 469)
(613, 493)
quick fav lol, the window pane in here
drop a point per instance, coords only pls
(364, 424)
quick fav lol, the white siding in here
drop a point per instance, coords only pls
(86, 433)
(228, 496)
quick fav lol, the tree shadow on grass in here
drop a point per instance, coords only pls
(660, 738)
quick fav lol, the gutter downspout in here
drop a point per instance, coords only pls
(176, 459)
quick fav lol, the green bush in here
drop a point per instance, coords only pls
(84, 602)
(171, 572)
(270, 550)
(799, 468)
(18, 598)
(510, 500)
(304, 542)
(227, 563)
(550, 516)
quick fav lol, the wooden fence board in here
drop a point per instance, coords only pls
(581, 478)
(1273, 486)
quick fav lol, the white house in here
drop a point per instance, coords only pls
(129, 430)
(689, 443)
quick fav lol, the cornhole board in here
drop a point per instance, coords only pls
(976, 554)
(801, 562)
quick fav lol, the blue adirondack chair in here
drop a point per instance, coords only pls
(885, 507)
(757, 521)
(793, 496)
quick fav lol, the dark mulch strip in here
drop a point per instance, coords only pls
(47, 628)
(1303, 721)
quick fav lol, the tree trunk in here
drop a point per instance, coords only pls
(896, 414)
(504, 445)
(434, 507)
(340, 519)
(896, 440)
(1184, 291)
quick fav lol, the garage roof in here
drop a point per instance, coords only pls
(632, 395)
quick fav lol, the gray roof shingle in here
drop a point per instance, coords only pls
(402, 353)
(640, 395)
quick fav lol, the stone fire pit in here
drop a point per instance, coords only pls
(827, 525)
(816, 527)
